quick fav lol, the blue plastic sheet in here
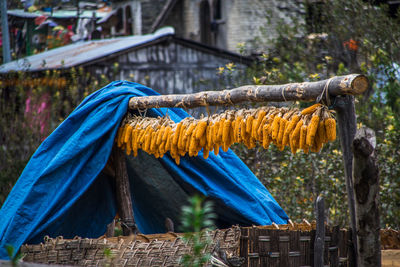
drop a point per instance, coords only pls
(62, 190)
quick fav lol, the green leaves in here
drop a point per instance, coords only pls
(197, 219)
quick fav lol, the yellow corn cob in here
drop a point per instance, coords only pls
(269, 122)
(153, 142)
(293, 146)
(225, 131)
(134, 141)
(310, 109)
(147, 143)
(282, 128)
(189, 130)
(225, 147)
(236, 130)
(128, 148)
(231, 136)
(260, 118)
(182, 153)
(266, 137)
(208, 135)
(249, 124)
(275, 127)
(177, 134)
(160, 135)
(232, 131)
(167, 146)
(330, 128)
(220, 131)
(203, 140)
(181, 144)
(177, 160)
(317, 144)
(303, 136)
(166, 133)
(321, 132)
(215, 132)
(216, 149)
(254, 129)
(193, 145)
(173, 148)
(206, 153)
(289, 129)
(260, 128)
(252, 143)
(242, 131)
(187, 142)
(294, 137)
(161, 149)
(142, 136)
(312, 130)
(201, 129)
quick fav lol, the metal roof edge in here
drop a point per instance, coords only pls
(161, 33)
(248, 60)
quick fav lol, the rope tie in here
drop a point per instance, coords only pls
(229, 98)
(283, 93)
(204, 99)
(257, 91)
(142, 113)
(325, 92)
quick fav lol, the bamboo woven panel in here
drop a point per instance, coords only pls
(274, 245)
(291, 245)
(166, 250)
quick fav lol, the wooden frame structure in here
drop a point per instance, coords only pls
(337, 92)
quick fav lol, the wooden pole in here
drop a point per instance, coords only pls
(319, 244)
(366, 186)
(5, 32)
(352, 84)
(123, 192)
(346, 117)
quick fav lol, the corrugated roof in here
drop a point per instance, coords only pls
(79, 53)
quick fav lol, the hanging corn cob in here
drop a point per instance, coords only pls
(306, 129)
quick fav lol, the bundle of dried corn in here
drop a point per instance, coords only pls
(306, 129)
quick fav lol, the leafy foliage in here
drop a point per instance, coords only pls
(12, 255)
(31, 107)
(346, 37)
(197, 219)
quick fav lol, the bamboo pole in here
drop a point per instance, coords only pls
(352, 84)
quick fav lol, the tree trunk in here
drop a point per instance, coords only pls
(352, 84)
(346, 117)
(366, 186)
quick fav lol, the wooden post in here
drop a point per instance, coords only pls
(319, 244)
(123, 192)
(366, 186)
(110, 229)
(346, 117)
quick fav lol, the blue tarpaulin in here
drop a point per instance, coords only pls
(63, 191)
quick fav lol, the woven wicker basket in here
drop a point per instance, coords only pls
(140, 250)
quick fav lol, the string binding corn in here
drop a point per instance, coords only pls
(308, 130)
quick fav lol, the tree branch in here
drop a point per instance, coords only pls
(352, 84)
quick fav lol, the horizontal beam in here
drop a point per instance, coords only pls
(353, 84)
